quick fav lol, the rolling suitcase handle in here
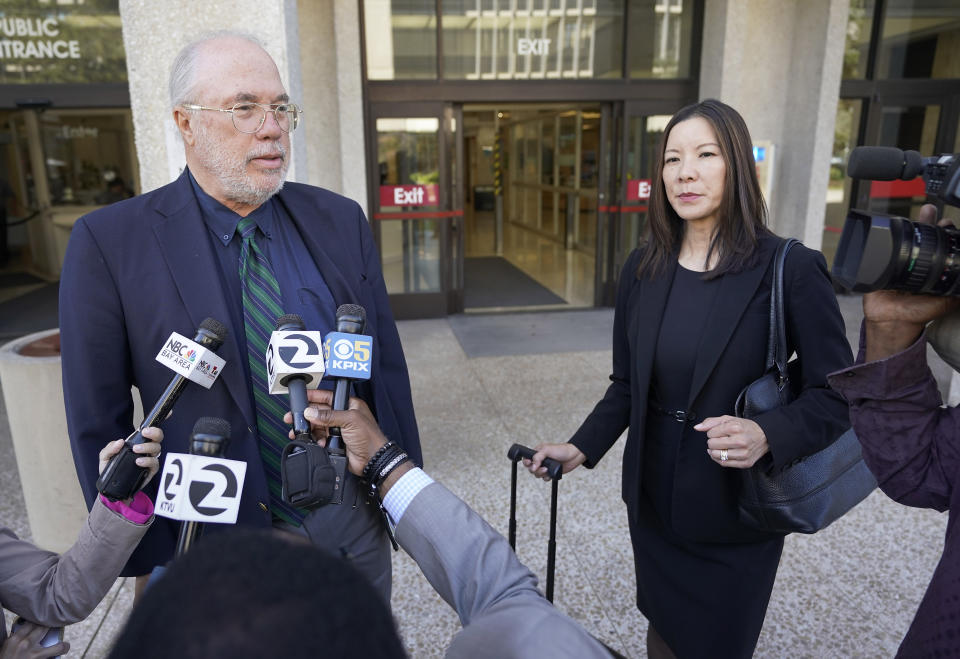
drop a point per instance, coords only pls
(555, 472)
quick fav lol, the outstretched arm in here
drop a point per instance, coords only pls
(467, 562)
(55, 590)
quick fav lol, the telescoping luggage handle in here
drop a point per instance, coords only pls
(555, 472)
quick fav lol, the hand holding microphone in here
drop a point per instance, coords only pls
(148, 452)
(191, 360)
(308, 478)
(313, 475)
(358, 429)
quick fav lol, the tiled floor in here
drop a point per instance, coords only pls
(848, 591)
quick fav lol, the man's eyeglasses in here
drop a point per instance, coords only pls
(249, 117)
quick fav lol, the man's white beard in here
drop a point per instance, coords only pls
(237, 184)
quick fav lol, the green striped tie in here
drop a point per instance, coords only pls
(261, 307)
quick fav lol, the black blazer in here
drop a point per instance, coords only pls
(139, 269)
(731, 354)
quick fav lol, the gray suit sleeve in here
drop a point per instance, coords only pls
(54, 590)
(475, 571)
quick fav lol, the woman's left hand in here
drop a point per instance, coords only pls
(734, 442)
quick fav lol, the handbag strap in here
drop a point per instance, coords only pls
(777, 337)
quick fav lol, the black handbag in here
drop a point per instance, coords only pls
(810, 493)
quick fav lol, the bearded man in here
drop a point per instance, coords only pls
(213, 243)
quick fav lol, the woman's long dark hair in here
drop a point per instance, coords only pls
(742, 216)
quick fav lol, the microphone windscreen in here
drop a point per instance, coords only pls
(352, 310)
(351, 318)
(290, 321)
(211, 425)
(877, 163)
(215, 327)
(913, 165)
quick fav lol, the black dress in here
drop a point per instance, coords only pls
(704, 599)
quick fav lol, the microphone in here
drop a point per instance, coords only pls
(191, 360)
(886, 163)
(210, 437)
(348, 357)
(294, 362)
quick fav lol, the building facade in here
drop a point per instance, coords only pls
(503, 149)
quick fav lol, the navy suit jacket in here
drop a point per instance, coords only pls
(731, 355)
(140, 269)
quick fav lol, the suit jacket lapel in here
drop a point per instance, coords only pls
(736, 291)
(311, 221)
(185, 246)
(648, 317)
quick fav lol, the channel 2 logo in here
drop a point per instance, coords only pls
(199, 488)
(348, 355)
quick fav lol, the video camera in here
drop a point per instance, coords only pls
(890, 252)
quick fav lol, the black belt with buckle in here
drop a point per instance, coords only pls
(681, 416)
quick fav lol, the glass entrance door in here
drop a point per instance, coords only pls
(416, 208)
(532, 176)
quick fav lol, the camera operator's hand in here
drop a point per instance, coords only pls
(895, 319)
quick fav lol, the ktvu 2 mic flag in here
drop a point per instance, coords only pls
(191, 360)
(197, 488)
(294, 352)
(348, 355)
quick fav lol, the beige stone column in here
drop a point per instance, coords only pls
(333, 96)
(779, 62)
(317, 48)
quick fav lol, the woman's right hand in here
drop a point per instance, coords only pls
(566, 454)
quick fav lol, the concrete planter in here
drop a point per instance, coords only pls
(33, 395)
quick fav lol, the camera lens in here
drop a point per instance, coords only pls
(944, 265)
(883, 252)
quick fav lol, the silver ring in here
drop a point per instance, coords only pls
(723, 455)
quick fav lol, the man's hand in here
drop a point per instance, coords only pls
(361, 434)
(149, 452)
(895, 319)
(24, 643)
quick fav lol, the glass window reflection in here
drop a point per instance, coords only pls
(532, 40)
(88, 156)
(660, 38)
(401, 39)
(921, 39)
(856, 51)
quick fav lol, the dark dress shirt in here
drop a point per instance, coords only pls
(912, 446)
(302, 289)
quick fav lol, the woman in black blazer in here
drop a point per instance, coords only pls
(690, 332)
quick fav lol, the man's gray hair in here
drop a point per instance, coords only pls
(182, 71)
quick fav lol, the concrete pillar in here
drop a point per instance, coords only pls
(333, 96)
(790, 99)
(315, 45)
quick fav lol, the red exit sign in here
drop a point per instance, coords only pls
(638, 189)
(409, 195)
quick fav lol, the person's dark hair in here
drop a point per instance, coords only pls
(742, 214)
(245, 593)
